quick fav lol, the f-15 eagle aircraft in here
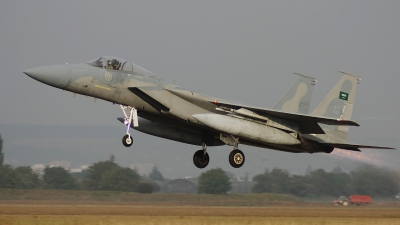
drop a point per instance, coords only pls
(174, 113)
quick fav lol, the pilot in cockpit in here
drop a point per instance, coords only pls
(113, 64)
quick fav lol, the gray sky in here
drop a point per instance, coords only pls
(245, 51)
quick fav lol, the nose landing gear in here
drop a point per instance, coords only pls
(127, 140)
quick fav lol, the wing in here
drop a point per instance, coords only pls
(354, 147)
(308, 124)
(147, 98)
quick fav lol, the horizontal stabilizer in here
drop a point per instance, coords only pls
(354, 147)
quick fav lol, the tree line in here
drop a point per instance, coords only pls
(100, 176)
(364, 180)
(109, 176)
(1, 151)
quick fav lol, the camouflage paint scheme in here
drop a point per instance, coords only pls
(298, 98)
(174, 113)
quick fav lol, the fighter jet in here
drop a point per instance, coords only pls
(172, 112)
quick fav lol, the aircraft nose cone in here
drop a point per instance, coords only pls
(56, 76)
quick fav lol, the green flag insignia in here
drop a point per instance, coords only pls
(344, 96)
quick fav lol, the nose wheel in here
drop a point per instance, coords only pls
(201, 158)
(127, 140)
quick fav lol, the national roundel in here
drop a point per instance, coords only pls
(108, 77)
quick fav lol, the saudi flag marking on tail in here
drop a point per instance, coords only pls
(344, 96)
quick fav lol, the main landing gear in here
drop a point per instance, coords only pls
(236, 157)
(127, 140)
(201, 158)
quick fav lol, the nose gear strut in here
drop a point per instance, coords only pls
(127, 139)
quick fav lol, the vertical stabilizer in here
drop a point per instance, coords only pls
(339, 104)
(297, 99)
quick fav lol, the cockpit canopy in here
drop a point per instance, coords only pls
(112, 63)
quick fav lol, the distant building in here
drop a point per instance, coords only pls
(79, 170)
(195, 181)
(242, 187)
(159, 185)
(38, 168)
(179, 186)
(64, 164)
(142, 168)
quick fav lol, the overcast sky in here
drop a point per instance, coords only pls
(243, 51)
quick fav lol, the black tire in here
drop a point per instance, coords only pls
(127, 141)
(200, 160)
(236, 158)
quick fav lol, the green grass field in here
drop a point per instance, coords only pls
(80, 196)
(55, 207)
(124, 214)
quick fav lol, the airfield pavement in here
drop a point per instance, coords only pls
(107, 213)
